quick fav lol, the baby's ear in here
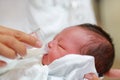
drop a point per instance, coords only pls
(113, 73)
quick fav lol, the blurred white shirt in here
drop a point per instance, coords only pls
(50, 15)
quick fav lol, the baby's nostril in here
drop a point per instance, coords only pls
(52, 43)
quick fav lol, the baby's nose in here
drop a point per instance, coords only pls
(52, 43)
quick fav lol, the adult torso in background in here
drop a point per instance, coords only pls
(50, 15)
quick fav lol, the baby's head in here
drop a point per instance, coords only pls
(100, 46)
(84, 39)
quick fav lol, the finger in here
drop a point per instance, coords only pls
(2, 63)
(95, 77)
(6, 51)
(14, 44)
(7, 31)
(26, 38)
(113, 73)
(91, 76)
(21, 36)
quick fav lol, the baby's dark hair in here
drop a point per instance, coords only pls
(103, 51)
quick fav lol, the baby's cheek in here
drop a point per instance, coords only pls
(55, 53)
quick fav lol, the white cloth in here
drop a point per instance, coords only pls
(69, 67)
(28, 68)
(33, 56)
(50, 15)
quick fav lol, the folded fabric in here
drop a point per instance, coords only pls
(33, 72)
(71, 67)
(33, 56)
(28, 68)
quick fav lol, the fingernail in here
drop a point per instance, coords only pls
(38, 44)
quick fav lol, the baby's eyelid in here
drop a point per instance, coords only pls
(61, 46)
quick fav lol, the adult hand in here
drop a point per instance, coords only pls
(91, 76)
(12, 42)
(113, 73)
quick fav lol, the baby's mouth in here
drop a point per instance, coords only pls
(45, 59)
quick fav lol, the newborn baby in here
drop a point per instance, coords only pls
(59, 63)
(69, 67)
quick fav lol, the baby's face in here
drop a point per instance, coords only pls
(69, 41)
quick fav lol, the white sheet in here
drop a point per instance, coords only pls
(33, 56)
(70, 67)
(49, 15)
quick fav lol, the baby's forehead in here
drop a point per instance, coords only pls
(93, 34)
(81, 31)
(74, 29)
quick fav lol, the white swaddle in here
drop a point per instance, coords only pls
(69, 67)
(28, 68)
(33, 56)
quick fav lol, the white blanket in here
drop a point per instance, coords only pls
(69, 67)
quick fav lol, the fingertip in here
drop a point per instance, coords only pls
(91, 76)
(22, 52)
(88, 76)
(2, 63)
(10, 54)
(35, 42)
(38, 44)
(35, 39)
